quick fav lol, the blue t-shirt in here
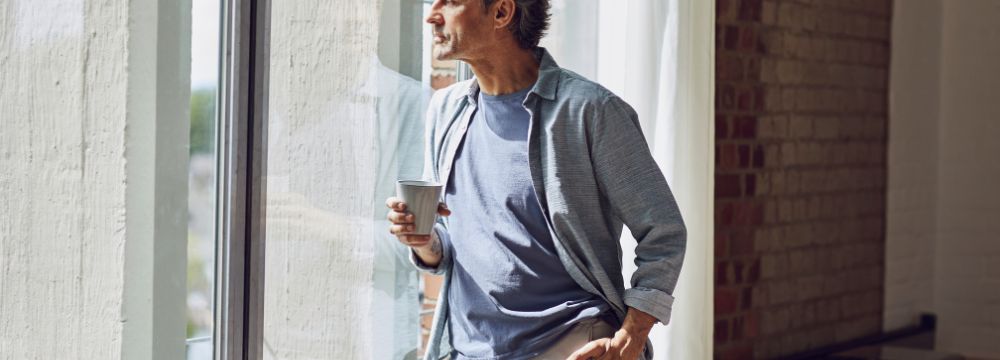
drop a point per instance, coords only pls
(510, 296)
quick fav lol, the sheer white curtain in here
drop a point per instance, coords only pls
(658, 56)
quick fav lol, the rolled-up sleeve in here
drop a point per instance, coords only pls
(442, 267)
(640, 196)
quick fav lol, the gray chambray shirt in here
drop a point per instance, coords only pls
(592, 172)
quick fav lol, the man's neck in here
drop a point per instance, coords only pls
(504, 74)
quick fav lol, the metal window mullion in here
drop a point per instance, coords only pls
(241, 192)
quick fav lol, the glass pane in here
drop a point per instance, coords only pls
(346, 112)
(201, 177)
(438, 75)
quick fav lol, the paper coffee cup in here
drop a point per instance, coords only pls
(421, 198)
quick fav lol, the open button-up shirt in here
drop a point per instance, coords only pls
(592, 172)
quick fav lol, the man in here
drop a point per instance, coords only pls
(541, 169)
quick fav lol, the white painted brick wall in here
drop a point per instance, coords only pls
(943, 250)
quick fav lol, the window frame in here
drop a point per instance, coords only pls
(242, 146)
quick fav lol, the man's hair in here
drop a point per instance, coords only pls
(531, 19)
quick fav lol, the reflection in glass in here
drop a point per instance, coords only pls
(201, 177)
(342, 128)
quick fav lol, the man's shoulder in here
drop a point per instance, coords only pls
(577, 87)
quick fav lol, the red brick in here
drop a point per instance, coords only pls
(442, 81)
(752, 71)
(758, 156)
(721, 273)
(751, 326)
(757, 214)
(748, 39)
(726, 301)
(754, 274)
(725, 215)
(732, 37)
(720, 36)
(725, 97)
(721, 331)
(744, 98)
(728, 158)
(750, 10)
(739, 352)
(737, 328)
(721, 127)
(721, 242)
(729, 67)
(759, 98)
(801, 92)
(744, 156)
(745, 127)
(725, 10)
(746, 299)
(727, 185)
(750, 184)
(741, 243)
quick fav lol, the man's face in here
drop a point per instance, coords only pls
(460, 29)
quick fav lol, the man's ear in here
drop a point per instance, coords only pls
(503, 13)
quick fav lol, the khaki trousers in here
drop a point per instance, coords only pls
(581, 334)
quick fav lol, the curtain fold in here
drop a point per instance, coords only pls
(658, 56)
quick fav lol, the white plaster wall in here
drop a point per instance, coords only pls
(62, 188)
(967, 266)
(912, 160)
(69, 178)
(943, 172)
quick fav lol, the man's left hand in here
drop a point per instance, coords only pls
(627, 344)
(624, 346)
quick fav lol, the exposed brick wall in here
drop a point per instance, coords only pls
(800, 173)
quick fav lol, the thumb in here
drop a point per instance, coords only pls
(592, 349)
(443, 209)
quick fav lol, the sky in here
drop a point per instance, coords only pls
(204, 43)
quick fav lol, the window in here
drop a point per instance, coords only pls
(346, 109)
(202, 169)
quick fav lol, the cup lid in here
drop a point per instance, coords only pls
(418, 183)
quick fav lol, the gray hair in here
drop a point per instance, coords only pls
(531, 20)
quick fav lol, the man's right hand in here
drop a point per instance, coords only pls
(427, 247)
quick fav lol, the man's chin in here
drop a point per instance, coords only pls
(444, 54)
(443, 57)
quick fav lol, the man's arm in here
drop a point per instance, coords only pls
(638, 322)
(628, 342)
(639, 195)
(430, 255)
(436, 257)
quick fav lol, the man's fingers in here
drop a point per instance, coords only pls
(395, 203)
(608, 356)
(592, 349)
(415, 240)
(399, 218)
(443, 209)
(400, 229)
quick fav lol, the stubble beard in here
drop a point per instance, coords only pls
(445, 50)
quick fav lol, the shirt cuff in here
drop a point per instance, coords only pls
(445, 262)
(651, 301)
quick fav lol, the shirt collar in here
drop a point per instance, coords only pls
(545, 87)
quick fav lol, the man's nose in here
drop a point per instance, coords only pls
(435, 16)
